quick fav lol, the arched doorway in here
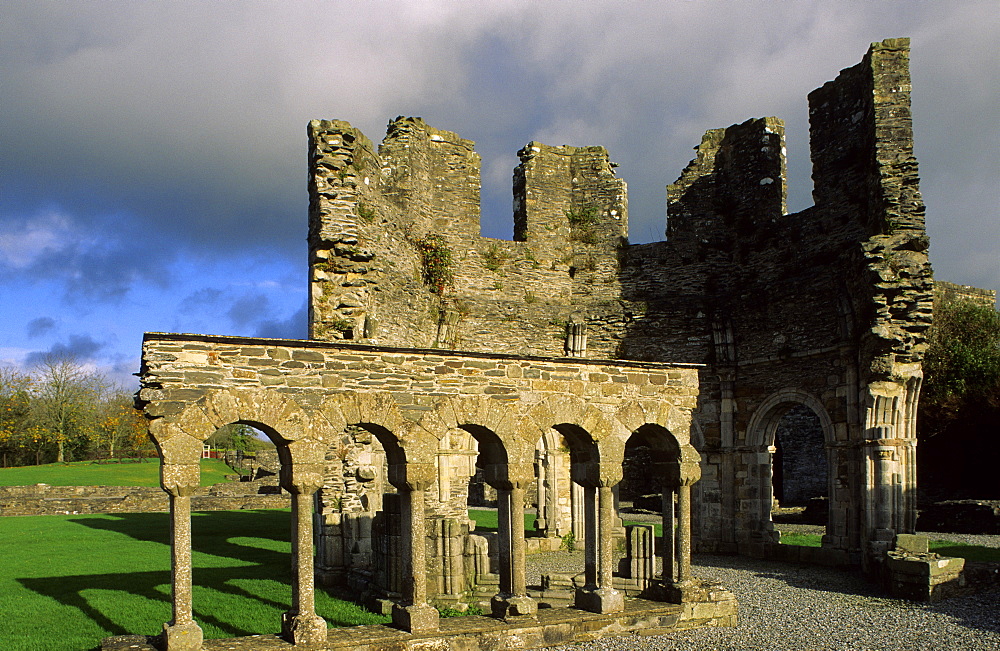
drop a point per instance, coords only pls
(790, 434)
(800, 478)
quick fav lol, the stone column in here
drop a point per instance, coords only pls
(683, 533)
(599, 595)
(669, 540)
(513, 599)
(301, 625)
(415, 614)
(181, 633)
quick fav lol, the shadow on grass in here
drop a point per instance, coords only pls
(222, 560)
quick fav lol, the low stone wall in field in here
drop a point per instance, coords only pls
(42, 499)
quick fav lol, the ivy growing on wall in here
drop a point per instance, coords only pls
(438, 262)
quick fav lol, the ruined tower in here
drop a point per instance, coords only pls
(824, 309)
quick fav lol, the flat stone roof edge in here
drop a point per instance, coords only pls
(444, 352)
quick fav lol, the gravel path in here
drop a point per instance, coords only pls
(798, 608)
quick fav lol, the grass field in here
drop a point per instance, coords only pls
(108, 473)
(68, 581)
(943, 547)
(487, 521)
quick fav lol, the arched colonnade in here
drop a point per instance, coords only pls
(507, 430)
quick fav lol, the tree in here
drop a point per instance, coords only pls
(121, 427)
(15, 408)
(234, 437)
(962, 364)
(960, 403)
(66, 397)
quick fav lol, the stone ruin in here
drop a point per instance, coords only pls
(542, 365)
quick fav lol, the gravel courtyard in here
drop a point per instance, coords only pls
(805, 608)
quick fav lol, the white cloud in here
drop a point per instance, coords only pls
(171, 136)
(22, 244)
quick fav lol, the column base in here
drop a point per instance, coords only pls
(415, 619)
(689, 591)
(182, 637)
(504, 606)
(599, 600)
(303, 630)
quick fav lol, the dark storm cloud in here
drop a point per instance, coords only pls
(186, 120)
(41, 326)
(248, 309)
(80, 348)
(294, 327)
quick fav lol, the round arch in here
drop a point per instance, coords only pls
(760, 437)
(764, 421)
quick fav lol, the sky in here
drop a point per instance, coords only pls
(153, 154)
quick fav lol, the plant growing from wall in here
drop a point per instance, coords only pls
(584, 222)
(585, 216)
(365, 212)
(494, 257)
(341, 325)
(437, 260)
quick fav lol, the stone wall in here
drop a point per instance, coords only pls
(41, 499)
(826, 308)
(799, 439)
(950, 292)
(484, 347)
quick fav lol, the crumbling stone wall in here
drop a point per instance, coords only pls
(42, 499)
(825, 308)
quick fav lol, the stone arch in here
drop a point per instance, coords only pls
(554, 492)
(379, 414)
(300, 442)
(760, 438)
(764, 421)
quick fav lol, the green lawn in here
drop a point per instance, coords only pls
(111, 473)
(68, 581)
(943, 547)
(487, 521)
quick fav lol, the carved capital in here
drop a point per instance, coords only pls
(412, 476)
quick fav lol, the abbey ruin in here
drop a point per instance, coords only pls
(541, 366)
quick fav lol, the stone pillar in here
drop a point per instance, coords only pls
(414, 614)
(181, 633)
(545, 522)
(301, 625)
(683, 533)
(513, 599)
(578, 510)
(599, 595)
(669, 539)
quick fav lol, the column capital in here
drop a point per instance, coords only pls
(508, 476)
(596, 475)
(412, 476)
(302, 478)
(180, 479)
